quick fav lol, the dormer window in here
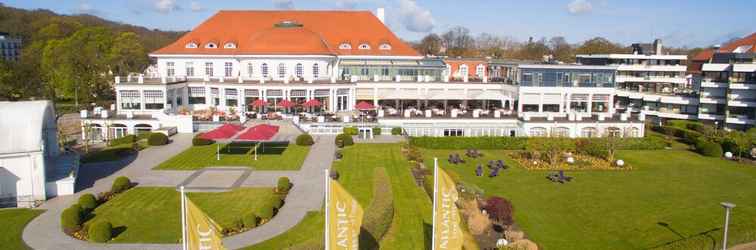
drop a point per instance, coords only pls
(364, 46)
(345, 46)
(191, 45)
(385, 46)
(211, 46)
(229, 45)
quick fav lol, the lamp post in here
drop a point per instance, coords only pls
(727, 207)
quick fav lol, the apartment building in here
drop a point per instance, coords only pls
(10, 48)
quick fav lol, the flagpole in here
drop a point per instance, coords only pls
(183, 220)
(327, 198)
(435, 193)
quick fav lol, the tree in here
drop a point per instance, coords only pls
(430, 45)
(600, 45)
(127, 55)
(458, 42)
(533, 50)
(561, 50)
(500, 210)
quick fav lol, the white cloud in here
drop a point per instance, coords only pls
(284, 4)
(85, 8)
(346, 4)
(415, 18)
(578, 7)
(196, 7)
(165, 6)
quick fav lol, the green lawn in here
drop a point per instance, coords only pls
(12, 222)
(669, 196)
(152, 214)
(273, 156)
(412, 216)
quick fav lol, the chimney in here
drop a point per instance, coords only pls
(380, 13)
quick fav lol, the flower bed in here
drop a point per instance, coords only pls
(533, 161)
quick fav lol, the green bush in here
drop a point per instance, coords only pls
(128, 139)
(377, 131)
(351, 130)
(283, 184)
(428, 185)
(71, 219)
(709, 148)
(88, 202)
(198, 141)
(157, 139)
(686, 135)
(305, 140)
(266, 213)
(277, 203)
(250, 220)
(343, 140)
(511, 143)
(100, 232)
(396, 131)
(120, 184)
(685, 124)
(591, 147)
(143, 135)
(380, 213)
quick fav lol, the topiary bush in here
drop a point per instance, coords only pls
(377, 131)
(284, 184)
(100, 232)
(88, 202)
(709, 148)
(157, 139)
(266, 213)
(343, 140)
(396, 131)
(250, 220)
(351, 130)
(305, 140)
(70, 219)
(198, 141)
(127, 139)
(277, 203)
(120, 184)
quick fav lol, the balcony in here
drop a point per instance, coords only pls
(741, 102)
(739, 119)
(622, 79)
(644, 67)
(743, 85)
(710, 116)
(714, 83)
(712, 99)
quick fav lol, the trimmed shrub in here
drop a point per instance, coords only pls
(305, 140)
(250, 220)
(88, 202)
(100, 232)
(198, 141)
(343, 140)
(283, 185)
(266, 213)
(120, 184)
(377, 131)
(511, 143)
(277, 203)
(500, 209)
(351, 130)
(143, 135)
(128, 139)
(396, 131)
(157, 139)
(71, 219)
(590, 147)
(708, 148)
(380, 213)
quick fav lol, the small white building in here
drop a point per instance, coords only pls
(32, 166)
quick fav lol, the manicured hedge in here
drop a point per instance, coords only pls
(396, 131)
(305, 140)
(100, 232)
(71, 219)
(377, 131)
(277, 203)
(688, 136)
(283, 185)
(128, 139)
(266, 213)
(351, 130)
(198, 141)
(709, 148)
(690, 125)
(250, 220)
(512, 143)
(157, 139)
(343, 140)
(88, 202)
(120, 184)
(380, 213)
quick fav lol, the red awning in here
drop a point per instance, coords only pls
(312, 103)
(363, 105)
(225, 131)
(285, 103)
(262, 132)
(259, 103)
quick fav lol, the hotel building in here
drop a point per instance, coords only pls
(322, 63)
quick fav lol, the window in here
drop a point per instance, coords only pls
(589, 132)
(454, 132)
(463, 70)
(191, 45)
(211, 45)
(315, 71)
(232, 96)
(264, 69)
(214, 94)
(613, 132)
(480, 71)
(385, 71)
(385, 46)
(364, 46)
(560, 132)
(250, 69)
(170, 69)
(209, 69)
(229, 45)
(154, 99)
(130, 99)
(281, 70)
(537, 132)
(189, 68)
(229, 69)
(299, 70)
(196, 95)
(345, 46)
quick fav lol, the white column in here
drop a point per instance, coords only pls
(141, 100)
(611, 104)
(540, 103)
(590, 103)
(240, 105)
(375, 96)
(569, 102)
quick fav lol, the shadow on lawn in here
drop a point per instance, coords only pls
(89, 173)
(705, 234)
(118, 231)
(245, 148)
(367, 240)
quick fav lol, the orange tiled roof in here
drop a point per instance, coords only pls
(749, 40)
(704, 55)
(309, 32)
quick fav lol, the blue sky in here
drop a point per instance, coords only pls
(677, 22)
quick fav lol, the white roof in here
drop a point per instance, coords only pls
(565, 66)
(715, 67)
(22, 124)
(744, 67)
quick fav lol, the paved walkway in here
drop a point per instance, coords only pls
(307, 194)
